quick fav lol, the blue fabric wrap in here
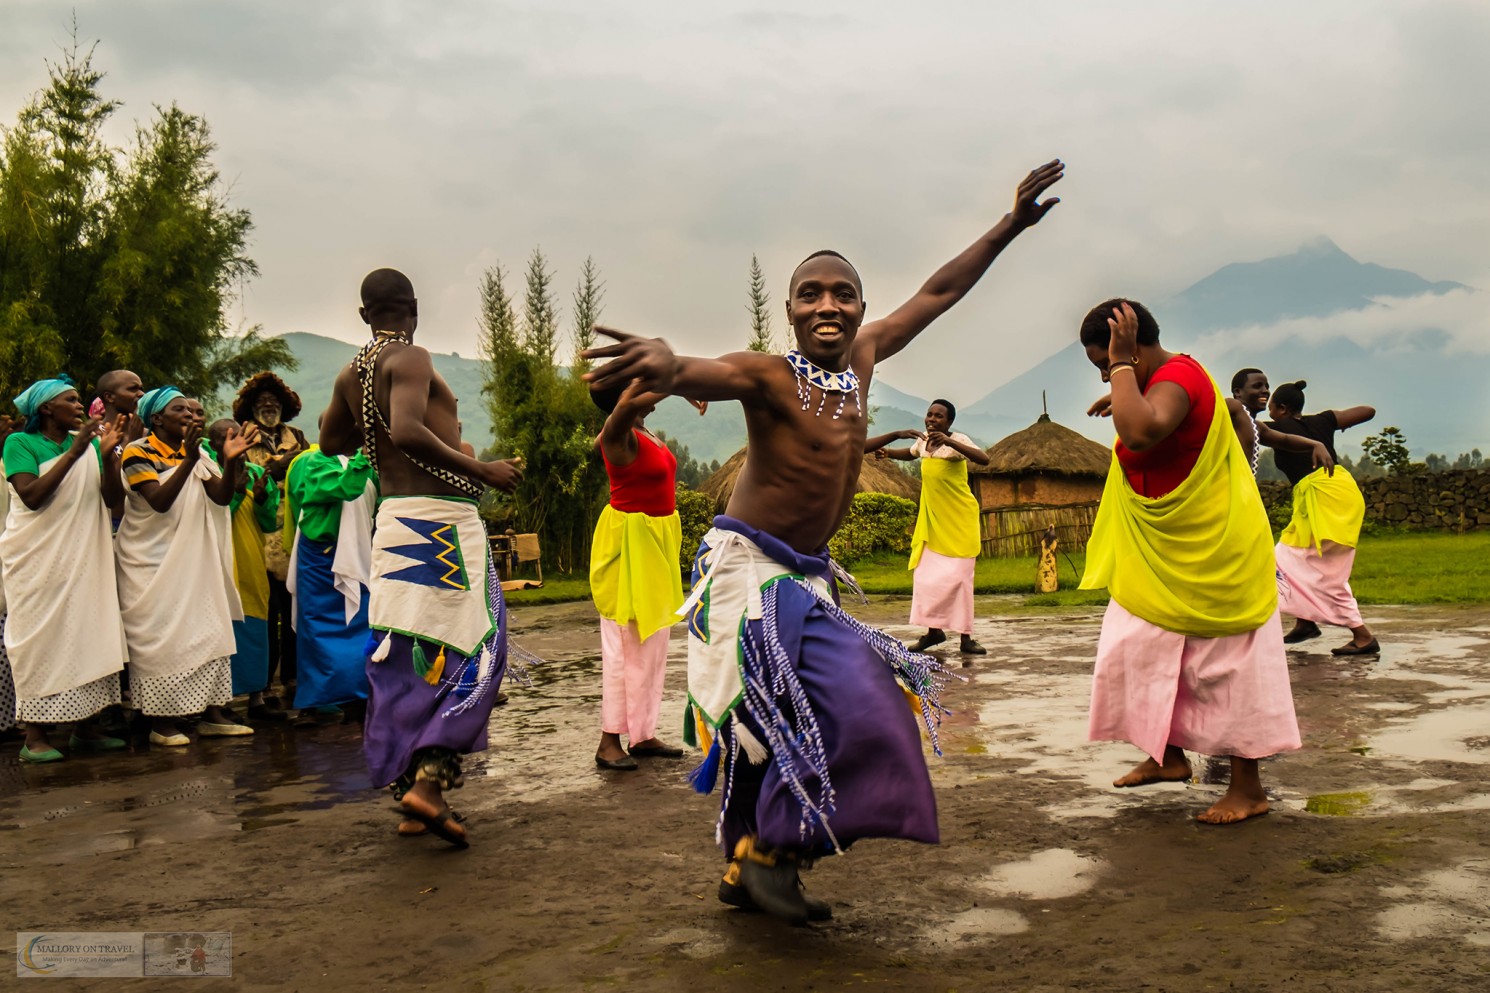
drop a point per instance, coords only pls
(330, 652)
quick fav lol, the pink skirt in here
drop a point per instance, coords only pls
(1316, 587)
(942, 592)
(1216, 696)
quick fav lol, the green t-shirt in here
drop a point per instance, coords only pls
(318, 485)
(28, 451)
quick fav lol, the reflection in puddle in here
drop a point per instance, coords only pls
(1444, 903)
(1049, 875)
(1338, 804)
(1450, 734)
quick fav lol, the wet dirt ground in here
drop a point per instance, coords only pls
(1372, 873)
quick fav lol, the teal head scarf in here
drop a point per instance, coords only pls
(30, 401)
(154, 402)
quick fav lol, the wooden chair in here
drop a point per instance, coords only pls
(510, 551)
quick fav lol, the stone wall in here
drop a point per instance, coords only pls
(1457, 500)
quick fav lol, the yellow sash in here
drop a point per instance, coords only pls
(635, 574)
(1325, 508)
(1197, 561)
(947, 522)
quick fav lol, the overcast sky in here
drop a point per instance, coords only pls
(672, 140)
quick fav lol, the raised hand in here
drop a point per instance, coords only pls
(935, 440)
(84, 436)
(191, 443)
(1122, 347)
(240, 441)
(909, 434)
(503, 474)
(112, 435)
(648, 360)
(1028, 209)
(1101, 407)
(702, 406)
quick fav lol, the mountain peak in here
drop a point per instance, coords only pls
(1320, 246)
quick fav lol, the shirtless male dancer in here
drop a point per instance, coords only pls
(796, 701)
(434, 603)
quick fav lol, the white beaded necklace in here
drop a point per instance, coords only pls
(809, 375)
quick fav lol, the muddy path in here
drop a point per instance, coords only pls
(1371, 874)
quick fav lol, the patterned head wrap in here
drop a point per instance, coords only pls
(154, 402)
(30, 401)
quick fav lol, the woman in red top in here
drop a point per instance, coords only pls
(635, 577)
(1188, 657)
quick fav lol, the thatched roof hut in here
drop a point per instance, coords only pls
(1048, 448)
(1042, 476)
(874, 477)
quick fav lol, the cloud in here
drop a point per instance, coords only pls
(673, 141)
(1456, 322)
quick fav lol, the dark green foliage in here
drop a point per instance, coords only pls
(697, 514)
(114, 258)
(875, 522)
(543, 413)
(1389, 450)
(691, 471)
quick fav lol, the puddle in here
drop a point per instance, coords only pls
(1446, 903)
(975, 924)
(695, 943)
(1448, 734)
(1049, 875)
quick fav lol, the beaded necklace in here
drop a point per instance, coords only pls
(365, 362)
(809, 375)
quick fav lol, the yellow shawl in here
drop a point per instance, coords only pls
(1197, 561)
(1325, 508)
(947, 522)
(635, 574)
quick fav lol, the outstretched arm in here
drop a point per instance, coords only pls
(1351, 416)
(952, 281)
(1279, 441)
(652, 365)
(879, 441)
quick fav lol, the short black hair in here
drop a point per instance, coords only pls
(387, 293)
(1094, 329)
(1240, 379)
(1291, 395)
(792, 283)
(951, 410)
(217, 432)
(606, 399)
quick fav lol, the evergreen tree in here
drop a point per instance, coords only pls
(588, 295)
(761, 337)
(1389, 450)
(112, 258)
(540, 315)
(543, 413)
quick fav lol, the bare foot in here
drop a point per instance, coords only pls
(411, 828)
(1176, 769)
(1233, 809)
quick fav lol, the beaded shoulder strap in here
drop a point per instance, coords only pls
(365, 362)
(1256, 444)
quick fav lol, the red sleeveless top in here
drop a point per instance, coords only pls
(649, 485)
(1155, 471)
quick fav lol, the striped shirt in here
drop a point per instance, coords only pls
(146, 459)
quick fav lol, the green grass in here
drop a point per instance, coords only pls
(1390, 568)
(1423, 567)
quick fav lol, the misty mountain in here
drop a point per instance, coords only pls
(1436, 396)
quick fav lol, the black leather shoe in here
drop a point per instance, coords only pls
(1353, 649)
(770, 880)
(1294, 637)
(736, 896)
(623, 764)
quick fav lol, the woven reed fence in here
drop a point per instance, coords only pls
(1011, 532)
